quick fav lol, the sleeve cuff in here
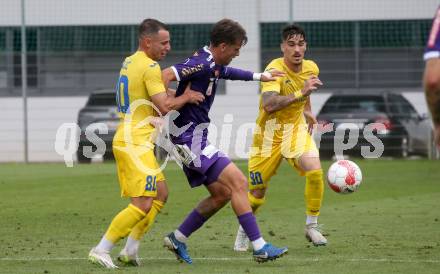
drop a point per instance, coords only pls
(176, 73)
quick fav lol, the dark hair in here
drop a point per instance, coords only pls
(150, 26)
(227, 31)
(292, 30)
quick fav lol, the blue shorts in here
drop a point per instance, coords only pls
(433, 44)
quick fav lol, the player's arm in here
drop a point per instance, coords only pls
(164, 101)
(273, 101)
(431, 81)
(168, 76)
(231, 73)
(310, 118)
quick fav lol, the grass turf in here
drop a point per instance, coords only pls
(52, 215)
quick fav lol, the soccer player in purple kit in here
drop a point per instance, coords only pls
(203, 163)
(431, 78)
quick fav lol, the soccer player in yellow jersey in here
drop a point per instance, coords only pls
(140, 93)
(284, 127)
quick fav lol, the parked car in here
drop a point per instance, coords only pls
(100, 108)
(403, 131)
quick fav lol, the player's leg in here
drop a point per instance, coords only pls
(119, 228)
(314, 191)
(141, 188)
(309, 165)
(302, 154)
(219, 197)
(129, 254)
(261, 169)
(234, 179)
(431, 81)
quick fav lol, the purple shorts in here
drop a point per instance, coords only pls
(206, 165)
(433, 44)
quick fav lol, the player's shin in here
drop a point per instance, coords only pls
(192, 222)
(249, 225)
(120, 226)
(142, 227)
(314, 191)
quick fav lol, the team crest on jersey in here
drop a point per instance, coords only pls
(153, 65)
(126, 63)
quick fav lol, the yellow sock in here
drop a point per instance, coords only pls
(314, 191)
(255, 202)
(122, 224)
(147, 222)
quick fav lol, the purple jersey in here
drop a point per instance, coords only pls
(201, 71)
(433, 45)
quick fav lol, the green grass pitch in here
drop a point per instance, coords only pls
(52, 215)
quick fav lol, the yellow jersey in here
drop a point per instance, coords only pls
(291, 83)
(139, 79)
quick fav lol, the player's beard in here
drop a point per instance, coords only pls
(297, 60)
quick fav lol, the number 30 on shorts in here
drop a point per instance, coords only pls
(256, 178)
(151, 183)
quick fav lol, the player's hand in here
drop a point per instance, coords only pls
(171, 92)
(193, 97)
(271, 75)
(157, 122)
(310, 120)
(310, 85)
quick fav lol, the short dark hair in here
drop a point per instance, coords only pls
(229, 32)
(292, 30)
(150, 26)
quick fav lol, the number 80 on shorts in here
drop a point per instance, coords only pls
(256, 178)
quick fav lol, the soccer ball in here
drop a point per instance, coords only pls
(344, 176)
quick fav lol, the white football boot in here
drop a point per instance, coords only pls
(101, 258)
(314, 235)
(241, 241)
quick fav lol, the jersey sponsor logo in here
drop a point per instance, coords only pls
(191, 70)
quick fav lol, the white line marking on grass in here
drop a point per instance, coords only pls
(384, 260)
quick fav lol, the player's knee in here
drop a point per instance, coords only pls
(432, 82)
(143, 203)
(162, 192)
(144, 207)
(258, 193)
(240, 184)
(162, 196)
(222, 197)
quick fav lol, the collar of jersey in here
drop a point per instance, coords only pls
(211, 57)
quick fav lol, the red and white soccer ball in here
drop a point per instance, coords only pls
(344, 176)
